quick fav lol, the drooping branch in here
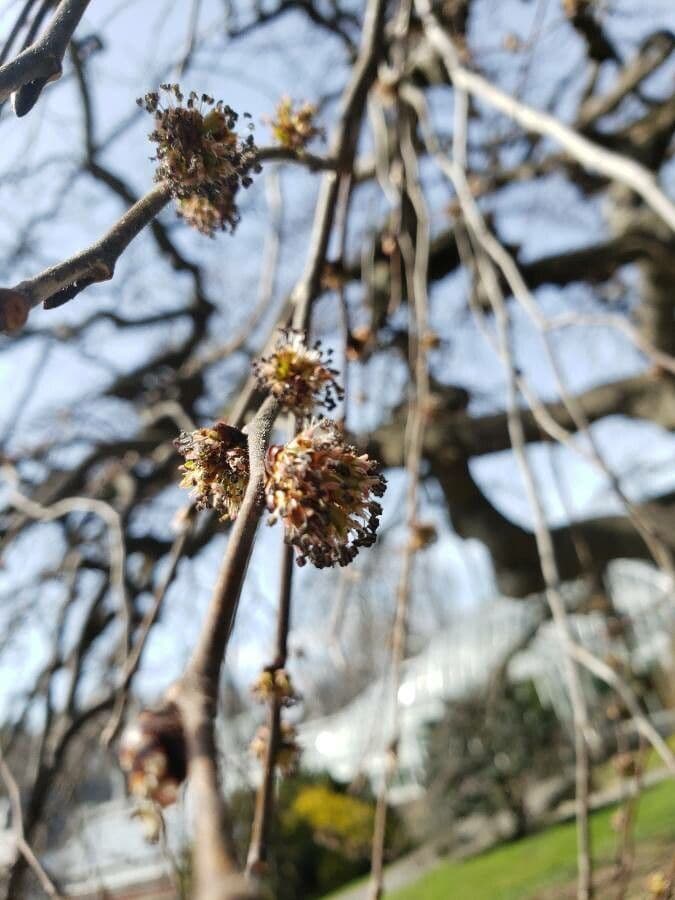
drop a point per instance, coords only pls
(545, 548)
(590, 155)
(258, 851)
(415, 254)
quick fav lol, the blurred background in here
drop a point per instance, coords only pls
(93, 393)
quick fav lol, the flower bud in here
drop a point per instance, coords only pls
(152, 753)
(295, 128)
(288, 750)
(274, 683)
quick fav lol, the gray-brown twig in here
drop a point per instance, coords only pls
(196, 692)
(42, 61)
(62, 282)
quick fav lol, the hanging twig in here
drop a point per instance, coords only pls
(591, 156)
(264, 808)
(23, 846)
(415, 253)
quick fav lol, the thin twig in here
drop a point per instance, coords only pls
(256, 860)
(342, 148)
(23, 846)
(591, 156)
(107, 513)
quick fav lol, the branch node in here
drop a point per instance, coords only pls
(14, 309)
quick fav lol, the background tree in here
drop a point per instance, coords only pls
(484, 237)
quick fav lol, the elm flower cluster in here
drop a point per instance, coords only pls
(200, 154)
(209, 216)
(295, 128)
(298, 376)
(288, 750)
(152, 753)
(274, 683)
(324, 493)
(422, 535)
(216, 467)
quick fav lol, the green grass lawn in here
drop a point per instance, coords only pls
(514, 871)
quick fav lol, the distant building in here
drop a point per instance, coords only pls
(107, 855)
(460, 659)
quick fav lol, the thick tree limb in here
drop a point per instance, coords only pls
(453, 434)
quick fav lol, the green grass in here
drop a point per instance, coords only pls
(604, 774)
(515, 870)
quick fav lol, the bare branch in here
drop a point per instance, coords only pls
(543, 538)
(62, 282)
(196, 691)
(264, 808)
(43, 60)
(591, 156)
(23, 846)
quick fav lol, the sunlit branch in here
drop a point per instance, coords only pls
(43, 60)
(60, 283)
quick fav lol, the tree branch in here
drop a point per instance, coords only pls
(28, 72)
(62, 282)
(264, 807)
(591, 156)
(196, 691)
